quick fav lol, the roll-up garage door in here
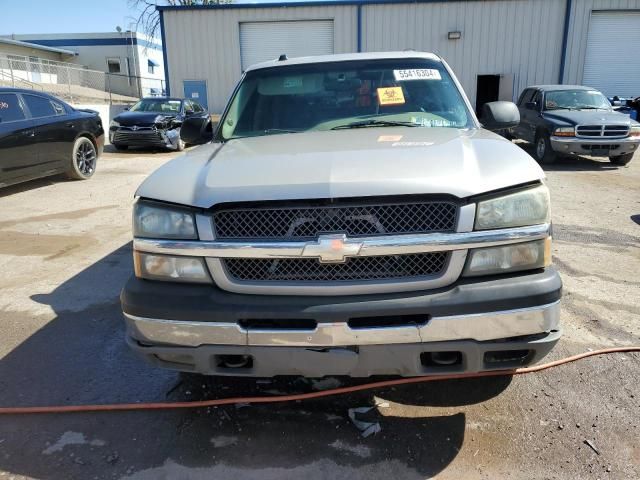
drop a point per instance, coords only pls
(262, 41)
(612, 63)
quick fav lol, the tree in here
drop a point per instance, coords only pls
(148, 19)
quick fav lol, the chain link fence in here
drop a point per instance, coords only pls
(75, 83)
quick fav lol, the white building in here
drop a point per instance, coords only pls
(135, 63)
(24, 70)
(496, 47)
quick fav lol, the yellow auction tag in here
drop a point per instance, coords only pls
(390, 96)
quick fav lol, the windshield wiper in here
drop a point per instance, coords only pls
(376, 123)
(269, 131)
(561, 108)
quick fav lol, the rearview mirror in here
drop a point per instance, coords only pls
(500, 115)
(196, 130)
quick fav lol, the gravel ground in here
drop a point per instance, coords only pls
(65, 253)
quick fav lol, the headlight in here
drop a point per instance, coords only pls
(153, 221)
(509, 258)
(565, 132)
(527, 207)
(114, 124)
(172, 269)
(634, 131)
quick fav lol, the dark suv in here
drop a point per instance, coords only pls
(570, 119)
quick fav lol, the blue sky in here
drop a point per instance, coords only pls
(62, 16)
(66, 16)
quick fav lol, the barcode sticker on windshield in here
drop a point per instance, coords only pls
(417, 74)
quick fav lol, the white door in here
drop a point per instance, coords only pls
(612, 63)
(262, 41)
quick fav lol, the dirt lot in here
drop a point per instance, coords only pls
(65, 253)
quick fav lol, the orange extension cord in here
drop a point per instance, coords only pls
(305, 396)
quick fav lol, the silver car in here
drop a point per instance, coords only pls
(350, 216)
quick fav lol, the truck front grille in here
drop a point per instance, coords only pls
(289, 222)
(144, 136)
(354, 269)
(599, 131)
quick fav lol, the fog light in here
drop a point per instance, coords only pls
(509, 258)
(172, 269)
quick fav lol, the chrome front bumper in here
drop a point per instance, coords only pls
(602, 146)
(335, 349)
(480, 327)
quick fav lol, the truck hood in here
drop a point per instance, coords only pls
(345, 163)
(587, 117)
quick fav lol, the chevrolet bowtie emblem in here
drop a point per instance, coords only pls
(332, 248)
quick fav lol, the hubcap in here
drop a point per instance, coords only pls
(540, 147)
(86, 158)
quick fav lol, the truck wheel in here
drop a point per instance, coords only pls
(544, 152)
(83, 160)
(621, 159)
(119, 146)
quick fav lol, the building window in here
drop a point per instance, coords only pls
(113, 65)
(151, 64)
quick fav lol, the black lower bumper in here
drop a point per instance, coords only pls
(207, 303)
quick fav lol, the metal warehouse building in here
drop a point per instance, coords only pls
(496, 47)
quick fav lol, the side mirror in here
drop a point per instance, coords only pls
(531, 105)
(125, 108)
(500, 115)
(195, 131)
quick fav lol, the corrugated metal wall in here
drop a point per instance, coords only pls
(522, 38)
(518, 37)
(579, 29)
(205, 44)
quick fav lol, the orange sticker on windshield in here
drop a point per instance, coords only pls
(390, 96)
(389, 138)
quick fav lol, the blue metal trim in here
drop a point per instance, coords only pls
(310, 3)
(565, 39)
(165, 57)
(359, 30)
(85, 42)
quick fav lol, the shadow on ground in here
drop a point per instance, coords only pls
(138, 150)
(80, 357)
(32, 185)
(572, 163)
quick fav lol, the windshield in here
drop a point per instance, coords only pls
(157, 105)
(576, 100)
(358, 94)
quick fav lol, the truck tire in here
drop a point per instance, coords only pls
(621, 159)
(83, 160)
(544, 152)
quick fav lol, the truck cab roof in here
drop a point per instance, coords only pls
(342, 57)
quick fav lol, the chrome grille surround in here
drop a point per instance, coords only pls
(600, 131)
(455, 245)
(290, 222)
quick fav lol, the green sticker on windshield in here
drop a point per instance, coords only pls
(292, 82)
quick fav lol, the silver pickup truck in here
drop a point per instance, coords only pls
(351, 216)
